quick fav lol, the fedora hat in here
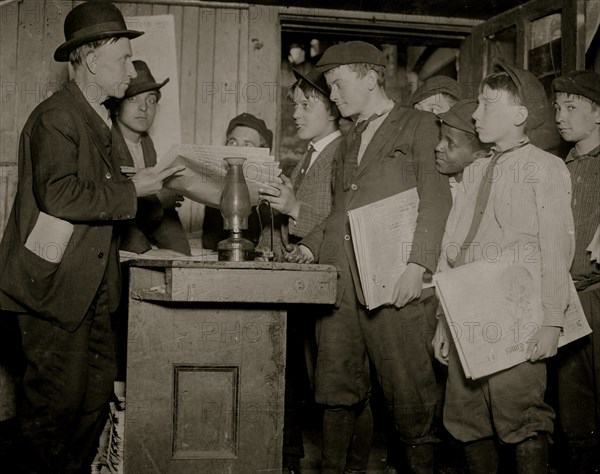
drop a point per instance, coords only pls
(144, 81)
(91, 21)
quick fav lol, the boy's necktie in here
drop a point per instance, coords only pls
(483, 196)
(351, 158)
(304, 168)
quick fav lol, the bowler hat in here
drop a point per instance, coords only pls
(584, 83)
(91, 21)
(315, 79)
(349, 53)
(531, 92)
(144, 81)
(436, 85)
(460, 116)
(250, 121)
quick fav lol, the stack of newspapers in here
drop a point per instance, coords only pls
(382, 235)
(204, 177)
(493, 309)
(110, 456)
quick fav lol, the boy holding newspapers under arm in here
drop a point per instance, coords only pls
(519, 205)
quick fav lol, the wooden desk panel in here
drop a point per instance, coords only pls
(205, 379)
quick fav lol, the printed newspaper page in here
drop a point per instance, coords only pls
(492, 310)
(382, 234)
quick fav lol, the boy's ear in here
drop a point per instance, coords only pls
(521, 115)
(372, 77)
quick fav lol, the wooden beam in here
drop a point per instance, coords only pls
(189, 3)
(573, 35)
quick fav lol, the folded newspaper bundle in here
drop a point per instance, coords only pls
(204, 177)
(492, 310)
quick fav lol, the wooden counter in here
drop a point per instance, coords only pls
(206, 359)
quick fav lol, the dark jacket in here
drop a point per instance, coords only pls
(152, 223)
(399, 157)
(68, 169)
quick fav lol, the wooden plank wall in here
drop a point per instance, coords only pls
(228, 63)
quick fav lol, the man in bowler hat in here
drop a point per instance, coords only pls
(60, 265)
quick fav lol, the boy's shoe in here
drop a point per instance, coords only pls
(291, 469)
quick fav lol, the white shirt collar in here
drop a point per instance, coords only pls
(323, 142)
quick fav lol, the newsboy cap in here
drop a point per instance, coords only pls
(436, 85)
(531, 92)
(460, 116)
(584, 83)
(248, 120)
(144, 81)
(349, 53)
(91, 21)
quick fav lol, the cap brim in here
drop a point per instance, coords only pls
(298, 75)
(326, 67)
(508, 70)
(456, 122)
(62, 53)
(144, 87)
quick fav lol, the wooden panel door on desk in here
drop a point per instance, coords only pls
(204, 388)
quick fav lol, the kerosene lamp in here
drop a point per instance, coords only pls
(235, 209)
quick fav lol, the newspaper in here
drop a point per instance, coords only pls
(594, 247)
(204, 177)
(493, 309)
(382, 234)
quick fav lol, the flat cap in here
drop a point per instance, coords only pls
(248, 120)
(460, 116)
(350, 52)
(584, 83)
(436, 85)
(531, 92)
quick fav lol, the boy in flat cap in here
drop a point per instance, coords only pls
(520, 206)
(305, 200)
(306, 196)
(60, 265)
(156, 221)
(437, 94)
(459, 144)
(577, 105)
(390, 149)
(245, 130)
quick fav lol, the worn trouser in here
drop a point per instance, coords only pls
(398, 342)
(578, 366)
(509, 404)
(66, 388)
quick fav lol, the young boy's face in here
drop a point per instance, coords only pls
(436, 103)
(496, 115)
(313, 121)
(575, 117)
(137, 112)
(348, 91)
(454, 152)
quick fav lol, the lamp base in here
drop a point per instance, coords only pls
(235, 249)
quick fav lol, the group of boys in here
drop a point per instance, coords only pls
(507, 193)
(470, 162)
